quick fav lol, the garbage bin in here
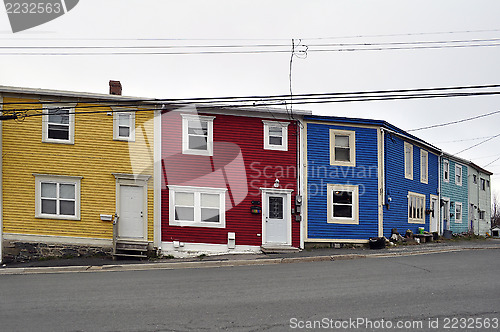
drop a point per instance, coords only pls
(447, 234)
(377, 242)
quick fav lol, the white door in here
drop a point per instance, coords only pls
(434, 217)
(446, 215)
(276, 219)
(131, 221)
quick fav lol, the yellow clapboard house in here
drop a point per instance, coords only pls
(77, 173)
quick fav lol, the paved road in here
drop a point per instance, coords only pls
(258, 298)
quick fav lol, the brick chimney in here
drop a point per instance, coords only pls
(115, 88)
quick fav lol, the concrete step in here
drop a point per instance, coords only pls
(278, 249)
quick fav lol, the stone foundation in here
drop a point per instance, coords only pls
(22, 251)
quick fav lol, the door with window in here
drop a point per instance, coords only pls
(131, 222)
(276, 219)
(446, 214)
(434, 216)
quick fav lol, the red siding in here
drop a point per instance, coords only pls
(239, 160)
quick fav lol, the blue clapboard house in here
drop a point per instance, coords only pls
(365, 177)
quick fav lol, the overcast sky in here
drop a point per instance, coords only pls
(129, 22)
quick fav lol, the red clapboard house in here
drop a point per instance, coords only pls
(229, 180)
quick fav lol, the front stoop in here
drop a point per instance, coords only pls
(278, 249)
(131, 249)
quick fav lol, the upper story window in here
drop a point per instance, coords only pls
(481, 215)
(446, 170)
(482, 183)
(458, 175)
(197, 206)
(416, 208)
(123, 125)
(342, 147)
(408, 160)
(58, 123)
(488, 183)
(57, 197)
(275, 135)
(343, 207)
(424, 166)
(458, 212)
(197, 134)
(474, 178)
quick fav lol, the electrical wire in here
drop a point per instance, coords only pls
(473, 146)
(455, 122)
(491, 162)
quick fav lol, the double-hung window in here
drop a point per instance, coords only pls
(416, 208)
(474, 178)
(482, 183)
(481, 215)
(458, 175)
(343, 206)
(342, 147)
(197, 206)
(275, 135)
(197, 134)
(58, 123)
(424, 166)
(408, 148)
(458, 212)
(446, 170)
(123, 125)
(57, 197)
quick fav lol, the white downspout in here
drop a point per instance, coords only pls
(440, 228)
(300, 176)
(383, 175)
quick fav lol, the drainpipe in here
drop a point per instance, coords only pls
(440, 160)
(300, 178)
(383, 176)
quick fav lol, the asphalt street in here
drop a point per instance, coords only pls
(424, 288)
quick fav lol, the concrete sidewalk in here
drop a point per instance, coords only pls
(312, 255)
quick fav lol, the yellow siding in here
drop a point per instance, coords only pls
(94, 156)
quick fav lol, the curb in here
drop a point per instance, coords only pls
(228, 263)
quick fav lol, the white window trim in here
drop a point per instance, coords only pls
(459, 167)
(116, 113)
(422, 168)
(461, 212)
(185, 137)
(355, 204)
(352, 147)
(446, 167)
(408, 175)
(197, 215)
(39, 178)
(45, 124)
(415, 220)
(284, 135)
(481, 181)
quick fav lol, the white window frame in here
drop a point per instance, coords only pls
(458, 170)
(197, 191)
(408, 161)
(185, 135)
(352, 147)
(459, 220)
(482, 184)
(59, 179)
(446, 170)
(284, 135)
(354, 220)
(413, 217)
(71, 125)
(116, 125)
(424, 167)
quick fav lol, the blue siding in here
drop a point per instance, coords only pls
(397, 186)
(320, 173)
(456, 194)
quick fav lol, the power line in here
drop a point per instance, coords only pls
(473, 146)
(455, 122)
(463, 140)
(491, 162)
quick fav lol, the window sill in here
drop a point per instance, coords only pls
(56, 141)
(415, 221)
(343, 221)
(197, 224)
(56, 217)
